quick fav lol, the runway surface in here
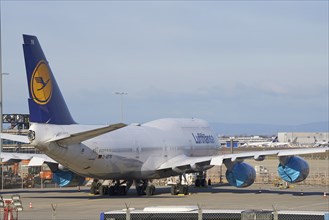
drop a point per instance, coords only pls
(72, 204)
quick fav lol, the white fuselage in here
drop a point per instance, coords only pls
(132, 152)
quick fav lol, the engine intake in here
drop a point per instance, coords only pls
(293, 169)
(241, 175)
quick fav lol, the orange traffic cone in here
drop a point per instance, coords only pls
(30, 205)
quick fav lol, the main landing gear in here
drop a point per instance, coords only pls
(200, 180)
(144, 187)
(120, 188)
(116, 188)
(180, 188)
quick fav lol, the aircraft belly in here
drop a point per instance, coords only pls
(115, 167)
(129, 167)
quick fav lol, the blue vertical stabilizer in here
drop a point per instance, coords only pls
(46, 102)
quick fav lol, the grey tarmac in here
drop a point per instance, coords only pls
(72, 204)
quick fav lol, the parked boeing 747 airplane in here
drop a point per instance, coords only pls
(130, 154)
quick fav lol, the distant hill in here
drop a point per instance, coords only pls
(267, 129)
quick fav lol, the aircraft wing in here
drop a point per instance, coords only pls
(218, 160)
(183, 162)
(67, 139)
(35, 159)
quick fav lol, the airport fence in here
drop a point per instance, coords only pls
(199, 214)
(195, 215)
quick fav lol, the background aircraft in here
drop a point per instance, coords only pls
(283, 144)
(131, 154)
(274, 143)
(320, 143)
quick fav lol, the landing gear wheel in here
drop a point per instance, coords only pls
(122, 191)
(197, 183)
(150, 190)
(140, 190)
(141, 186)
(117, 190)
(111, 191)
(95, 187)
(203, 182)
(174, 190)
(183, 189)
(103, 190)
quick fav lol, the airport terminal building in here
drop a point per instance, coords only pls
(304, 138)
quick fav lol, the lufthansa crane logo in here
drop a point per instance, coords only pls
(41, 85)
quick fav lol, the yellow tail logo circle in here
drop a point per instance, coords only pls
(41, 84)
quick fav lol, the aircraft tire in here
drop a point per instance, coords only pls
(111, 191)
(183, 189)
(173, 190)
(103, 190)
(197, 183)
(153, 189)
(94, 189)
(186, 190)
(122, 191)
(150, 190)
(203, 182)
(140, 190)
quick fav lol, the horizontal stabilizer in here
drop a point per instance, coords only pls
(16, 157)
(14, 137)
(85, 135)
(36, 161)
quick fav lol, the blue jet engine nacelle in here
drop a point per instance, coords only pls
(67, 178)
(241, 175)
(293, 169)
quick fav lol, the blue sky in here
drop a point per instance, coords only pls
(223, 61)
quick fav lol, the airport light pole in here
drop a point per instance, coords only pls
(1, 88)
(1, 116)
(121, 95)
(1, 103)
